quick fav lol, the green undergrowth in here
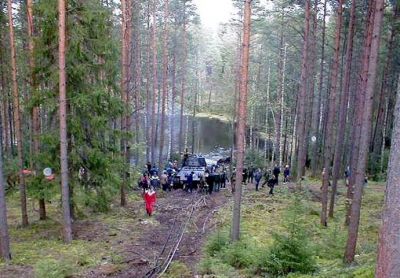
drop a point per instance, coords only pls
(40, 247)
(281, 236)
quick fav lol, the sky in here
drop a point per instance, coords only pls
(214, 12)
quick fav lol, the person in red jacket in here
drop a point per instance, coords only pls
(150, 200)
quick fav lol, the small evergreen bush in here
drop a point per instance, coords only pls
(216, 243)
(51, 268)
(241, 254)
(291, 251)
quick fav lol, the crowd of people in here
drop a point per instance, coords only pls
(214, 179)
(270, 176)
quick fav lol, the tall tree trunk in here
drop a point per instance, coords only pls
(148, 93)
(267, 107)
(378, 141)
(301, 157)
(17, 118)
(35, 110)
(282, 106)
(173, 101)
(279, 115)
(4, 236)
(365, 134)
(125, 60)
(138, 78)
(4, 98)
(344, 98)
(165, 81)
(331, 115)
(67, 230)
(241, 130)
(195, 100)
(389, 240)
(183, 71)
(316, 118)
(359, 108)
(155, 82)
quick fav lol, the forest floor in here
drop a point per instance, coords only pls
(127, 243)
(122, 243)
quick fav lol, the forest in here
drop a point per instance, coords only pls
(138, 139)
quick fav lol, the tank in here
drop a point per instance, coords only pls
(193, 163)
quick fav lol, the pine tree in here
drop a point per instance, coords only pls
(242, 113)
(67, 230)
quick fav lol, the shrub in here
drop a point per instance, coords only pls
(241, 254)
(291, 251)
(216, 243)
(51, 268)
(214, 266)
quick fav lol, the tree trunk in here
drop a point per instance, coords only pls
(280, 97)
(316, 117)
(67, 230)
(301, 157)
(35, 110)
(155, 83)
(267, 107)
(183, 68)
(344, 98)
(378, 141)
(4, 236)
(173, 101)
(282, 106)
(389, 240)
(17, 118)
(148, 94)
(359, 108)
(365, 134)
(241, 130)
(126, 29)
(138, 78)
(331, 115)
(165, 81)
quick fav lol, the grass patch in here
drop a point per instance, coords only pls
(279, 232)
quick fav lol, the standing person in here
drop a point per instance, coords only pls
(347, 175)
(271, 185)
(217, 180)
(267, 176)
(148, 165)
(286, 174)
(210, 183)
(144, 182)
(189, 182)
(257, 178)
(276, 173)
(224, 178)
(251, 174)
(150, 200)
(164, 181)
(155, 181)
(245, 175)
(170, 181)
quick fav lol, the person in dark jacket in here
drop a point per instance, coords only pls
(271, 184)
(251, 174)
(245, 175)
(257, 178)
(189, 182)
(286, 174)
(267, 176)
(210, 183)
(276, 173)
